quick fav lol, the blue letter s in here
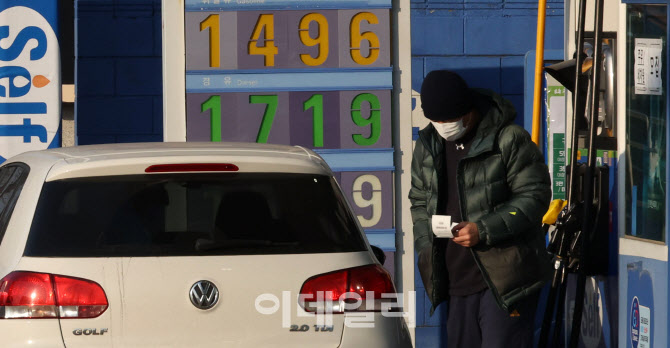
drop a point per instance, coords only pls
(11, 53)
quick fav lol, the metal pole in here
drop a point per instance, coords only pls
(587, 225)
(577, 111)
(539, 65)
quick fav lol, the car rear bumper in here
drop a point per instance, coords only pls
(383, 332)
(30, 333)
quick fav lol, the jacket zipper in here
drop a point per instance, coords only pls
(464, 213)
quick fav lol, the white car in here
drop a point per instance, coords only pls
(186, 245)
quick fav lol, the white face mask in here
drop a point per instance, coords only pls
(450, 131)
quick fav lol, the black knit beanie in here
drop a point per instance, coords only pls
(445, 96)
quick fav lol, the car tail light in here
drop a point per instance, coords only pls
(26, 295)
(192, 167)
(355, 289)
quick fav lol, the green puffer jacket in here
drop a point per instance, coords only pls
(504, 188)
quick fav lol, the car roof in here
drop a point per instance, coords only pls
(104, 151)
(129, 158)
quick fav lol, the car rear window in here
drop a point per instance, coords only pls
(12, 178)
(192, 214)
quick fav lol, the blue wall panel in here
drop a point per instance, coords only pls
(158, 36)
(117, 115)
(428, 336)
(137, 76)
(417, 72)
(442, 1)
(512, 74)
(158, 115)
(96, 77)
(440, 32)
(508, 35)
(481, 72)
(118, 71)
(106, 35)
(97, 139)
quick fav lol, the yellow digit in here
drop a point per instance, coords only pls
(212, 22)
(356, 37)
(321, 39)
(265, 24)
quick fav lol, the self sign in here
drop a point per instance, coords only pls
(29, 81)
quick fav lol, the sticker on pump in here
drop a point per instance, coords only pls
(648, 66)
(640, 322)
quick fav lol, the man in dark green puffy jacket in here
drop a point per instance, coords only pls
(474, 164)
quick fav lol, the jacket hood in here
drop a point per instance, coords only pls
(505, 111)
(500, 113)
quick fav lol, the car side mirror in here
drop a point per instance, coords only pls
(379, 253)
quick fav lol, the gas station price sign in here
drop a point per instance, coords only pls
(312, 73)
(281, 39)
(313, 119)
(264, 71)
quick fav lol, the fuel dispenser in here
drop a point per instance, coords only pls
(613, 252)
(581, 242)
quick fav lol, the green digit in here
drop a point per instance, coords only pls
(213, 104)
(316, 102)
(374, 120)
(268, 115)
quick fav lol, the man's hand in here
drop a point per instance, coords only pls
(466, 234)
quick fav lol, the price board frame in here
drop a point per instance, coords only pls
(333, 76)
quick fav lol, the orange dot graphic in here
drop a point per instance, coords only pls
(40, 81)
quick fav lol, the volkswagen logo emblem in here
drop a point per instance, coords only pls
(204, 294)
